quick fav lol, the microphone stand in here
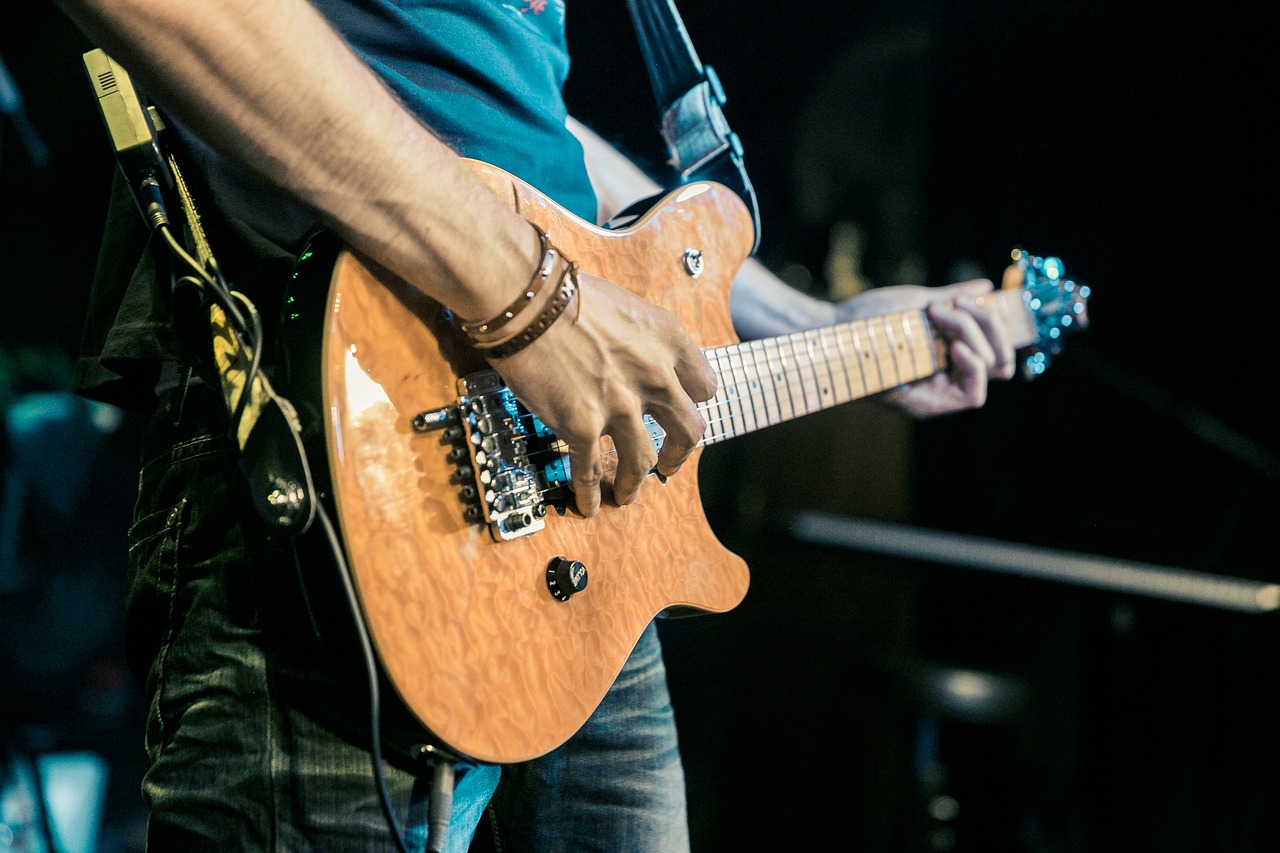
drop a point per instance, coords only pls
(1087, 570)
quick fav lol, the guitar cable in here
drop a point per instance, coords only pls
(134, 131)
(207, 279)
(371, 671)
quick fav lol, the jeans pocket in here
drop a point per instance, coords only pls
(154, 542)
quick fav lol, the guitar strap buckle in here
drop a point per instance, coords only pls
(691, 100)
(695, 127)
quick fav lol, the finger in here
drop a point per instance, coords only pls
(684, 422)
(697, 377)
(636, 457)
(1001, 342)
(969, 374)
(977, 330)
(587, 470)
(1000, 339)
(684, 426)
(959, 324)
(974, 288)
(680, 442)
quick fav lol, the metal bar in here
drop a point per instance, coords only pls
(918, 543)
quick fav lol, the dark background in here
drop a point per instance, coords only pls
(1126, 139)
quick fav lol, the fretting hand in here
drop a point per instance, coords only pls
(979, 345)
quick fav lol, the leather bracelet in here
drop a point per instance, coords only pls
(555, 306)
(539, 278)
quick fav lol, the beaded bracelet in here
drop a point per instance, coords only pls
(474, 330)
(555, 306)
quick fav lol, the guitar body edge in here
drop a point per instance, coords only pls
(464, 624)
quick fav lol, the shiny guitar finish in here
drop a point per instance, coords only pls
(471, 593)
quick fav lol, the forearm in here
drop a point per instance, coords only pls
(763, 305)
(618, 182)
(271, 86)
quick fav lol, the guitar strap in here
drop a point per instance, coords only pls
(690, 101)
(219, 328)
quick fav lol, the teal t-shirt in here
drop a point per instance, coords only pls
(485, 75)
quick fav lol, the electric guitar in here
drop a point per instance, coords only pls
(500, 616)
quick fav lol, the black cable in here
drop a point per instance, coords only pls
(211, 283)
(255, 364)
(366, 649)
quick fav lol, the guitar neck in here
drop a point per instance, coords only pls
(771, 380)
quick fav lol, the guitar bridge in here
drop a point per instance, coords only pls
(511, 467)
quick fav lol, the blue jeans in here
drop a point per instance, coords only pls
(617, 786)
(258, 728)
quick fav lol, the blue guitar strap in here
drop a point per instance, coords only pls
(690, 101)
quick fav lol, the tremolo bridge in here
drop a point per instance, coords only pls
(509, 466)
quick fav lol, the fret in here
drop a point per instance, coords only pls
(906, 366)
(727, 394)
(886, 353)
(732, 397)
(920, 338)
(912, 367)
(782, 370)
(820, 369)
(713, 410)
(869, 346)
(818, 391)
(840, 392)
(851, 384)
(768, 381)
(852, 355)
(801, 376)
(759, 403)
(742, 391)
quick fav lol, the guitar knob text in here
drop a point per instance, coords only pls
(565, 578)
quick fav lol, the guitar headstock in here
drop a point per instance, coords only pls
(1056, 304)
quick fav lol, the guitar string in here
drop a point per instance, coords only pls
(919, 340)
(790, 374)
(798, 371)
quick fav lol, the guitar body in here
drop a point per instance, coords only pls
(463, 622)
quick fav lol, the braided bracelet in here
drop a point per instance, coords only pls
(554, 308)
(540, 276)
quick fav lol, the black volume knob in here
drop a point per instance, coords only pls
(566, 577)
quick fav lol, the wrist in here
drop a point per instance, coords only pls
(496, 274)
(550, 290)
(490, 331)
